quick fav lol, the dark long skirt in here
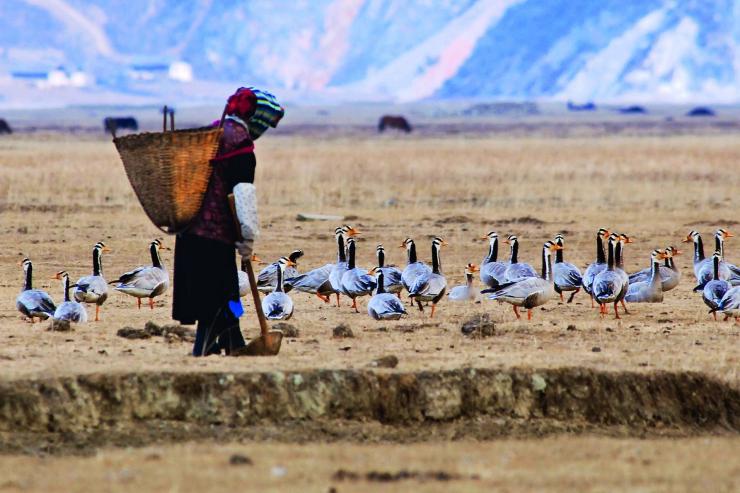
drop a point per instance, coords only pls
(205, 281)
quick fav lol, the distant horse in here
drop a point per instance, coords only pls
(391, 121)
(112, 124)
(4, 127)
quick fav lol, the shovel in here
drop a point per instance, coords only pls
(268, 342)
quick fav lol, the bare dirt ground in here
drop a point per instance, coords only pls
(60, 194)
(557, 464)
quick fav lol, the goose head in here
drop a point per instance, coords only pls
(723, 233)
(100, 246)
(657, 255)
(295, 255)
(158, 244)
(672, 251)
(692, 236)
(603, 233)
(439, 242)
(349, 231)
(285, 262)
(407, 243)
(624, 239)
(62, 275)
(471, 269)
(511, 240)
(492, 237)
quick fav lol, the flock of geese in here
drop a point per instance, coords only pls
(511, 281)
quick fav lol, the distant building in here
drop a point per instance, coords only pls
(178, 70)
(59, 77)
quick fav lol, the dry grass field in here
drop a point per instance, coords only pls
(60, 194)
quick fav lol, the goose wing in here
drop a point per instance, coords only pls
(518, 291)
(356, 282)
(567, 275)
(71, 311)
(36, 302)
(277, 306)
(519, 271)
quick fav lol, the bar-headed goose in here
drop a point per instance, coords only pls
(649, 291)
(466, 291)
(703, 269)
(730, 304)
(595, 267)
(267, 278)
(355, 281)
(517, 271)
(567, 276)
(383, 305)
(715, 290)
(719, 244)
(33, 303)
(529, 292)
(68, 311)
(492, 272)
(669, 273)
(278, 305)
(147, 281)
(609, 285)
(414, 268)
(431, 286)
(337, 271)
(94, 288)
(391, 274)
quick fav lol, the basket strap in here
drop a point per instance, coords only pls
(223, 116)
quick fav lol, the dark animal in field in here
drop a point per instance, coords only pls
(390, 121)
(112, 125)
(581, 107)
(4, 127)
(633, 110)
(701, 111)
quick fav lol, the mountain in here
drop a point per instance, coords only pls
(138, 51)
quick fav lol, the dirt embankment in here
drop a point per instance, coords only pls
(81, 412)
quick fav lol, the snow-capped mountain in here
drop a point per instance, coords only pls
(87, 51)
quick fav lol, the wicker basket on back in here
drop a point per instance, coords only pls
(169, 171)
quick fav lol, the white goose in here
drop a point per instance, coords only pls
(147, 281)
(430, 286)
(609, 285)
(33, 303)
(384, 305)
(649, 291)
(244, 289)
(466, 291)
(278, 305)
(517, 271)
(94, 288)
(355, 281)
(567, 276)
(595, 267)
(414, 268)
(529, 292)
(391, 274)
(492, 272)
(715, 290)
(68, 311)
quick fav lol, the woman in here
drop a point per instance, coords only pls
(206, 276)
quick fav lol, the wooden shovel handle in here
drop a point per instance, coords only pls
(247, 267)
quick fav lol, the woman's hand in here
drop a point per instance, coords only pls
(245, 248)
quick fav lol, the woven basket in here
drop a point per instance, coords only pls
(169, 172)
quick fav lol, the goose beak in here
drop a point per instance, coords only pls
(606, 234)
(106, 250)
(402, 245)
(728, 234)
(557, 247)
(677, 252)
(291, 263)
(444, 243)
(352, 232)
(255, 258)
(474, 268)
(687, 239)
(629, 240)
(484, 237)
(506, 241)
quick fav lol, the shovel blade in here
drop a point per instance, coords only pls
(267, 345)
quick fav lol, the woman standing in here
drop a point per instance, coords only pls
(206, 278)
